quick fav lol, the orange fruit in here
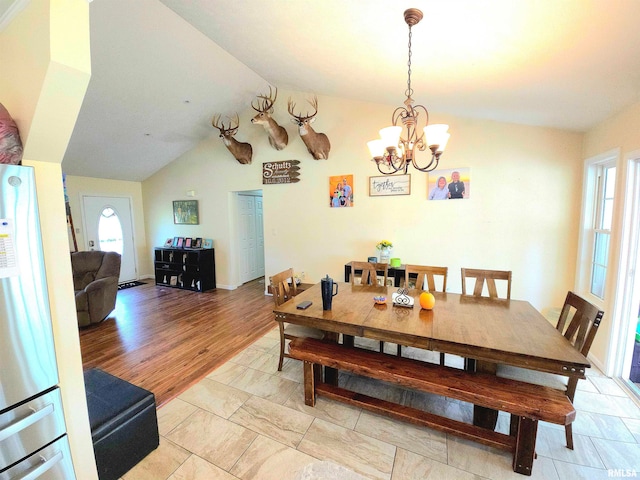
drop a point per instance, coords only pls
(427, 300)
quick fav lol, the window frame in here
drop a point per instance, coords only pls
(589, 215)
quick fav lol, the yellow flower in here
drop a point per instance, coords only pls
(384, 244)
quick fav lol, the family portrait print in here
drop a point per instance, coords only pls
(449, 184)
(341, 191)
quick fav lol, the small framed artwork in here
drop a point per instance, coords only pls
(168, 243)
(389, 185)
(198, 243)
(449, 184)
(180, 242)
(185, 212)
(174, 244)
(207, 243)
(341, 191)
(187, 243)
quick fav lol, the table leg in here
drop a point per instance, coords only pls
(482, 416)
(347, 341)
(331, 374)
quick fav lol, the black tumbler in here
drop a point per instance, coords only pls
(326, 285)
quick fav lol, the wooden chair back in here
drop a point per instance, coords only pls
(579, 321)
(283, 286)
(421, 272)
(486, 276)
(369, 273)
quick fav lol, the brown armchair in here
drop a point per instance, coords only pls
(95, 281)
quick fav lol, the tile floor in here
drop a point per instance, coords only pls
(248, 421)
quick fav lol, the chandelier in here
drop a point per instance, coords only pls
(394, 152)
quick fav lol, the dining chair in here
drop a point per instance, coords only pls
(579, 321)
(425, 279)
(369, 274)
(482, 278)
(283, 288)
(423, 273)
(487, 277)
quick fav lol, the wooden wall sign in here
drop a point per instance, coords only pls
(390, 185)
(286, 171)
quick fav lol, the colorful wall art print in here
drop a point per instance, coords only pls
(185, 212)
(449, 184)
(341, 191)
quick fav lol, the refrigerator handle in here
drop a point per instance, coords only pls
(27, 421)
(42, 467)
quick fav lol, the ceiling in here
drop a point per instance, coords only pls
(161, 68)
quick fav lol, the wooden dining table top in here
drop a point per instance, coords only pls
(496, 331)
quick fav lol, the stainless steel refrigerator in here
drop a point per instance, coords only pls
(33, 440)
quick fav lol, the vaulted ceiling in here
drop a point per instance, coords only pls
(160, 68)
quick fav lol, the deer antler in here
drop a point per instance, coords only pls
(267, 103)
(313, 103)
(231, 130)
(215, 122)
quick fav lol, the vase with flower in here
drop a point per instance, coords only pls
(385, 247)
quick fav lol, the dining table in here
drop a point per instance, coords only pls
(489, 331)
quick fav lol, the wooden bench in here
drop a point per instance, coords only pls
(526, 403)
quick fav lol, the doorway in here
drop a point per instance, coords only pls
(108, 226)
(250, 235)
(626, 337)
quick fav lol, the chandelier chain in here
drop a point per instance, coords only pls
(409, 91)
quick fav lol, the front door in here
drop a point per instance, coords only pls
(108, 227)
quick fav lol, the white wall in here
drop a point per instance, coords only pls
(46, 50)
(523, 213)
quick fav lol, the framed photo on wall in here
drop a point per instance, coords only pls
(341, 191)
(185, 212)
(449, 184)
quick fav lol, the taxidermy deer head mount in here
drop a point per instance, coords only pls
(278, 137)
(241, 151)
(317, 143)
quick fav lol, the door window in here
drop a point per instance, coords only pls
(110, 231)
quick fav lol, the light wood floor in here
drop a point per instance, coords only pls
(165, 339)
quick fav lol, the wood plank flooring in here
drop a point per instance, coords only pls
(165, 339)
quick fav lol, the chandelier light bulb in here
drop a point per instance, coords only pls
(390, 136)
(376, 148)
(444, 141)
(436, 134)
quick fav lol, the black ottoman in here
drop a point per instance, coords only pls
(124, 426)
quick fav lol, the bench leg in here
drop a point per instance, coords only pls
(310, 376)
(525, 445)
